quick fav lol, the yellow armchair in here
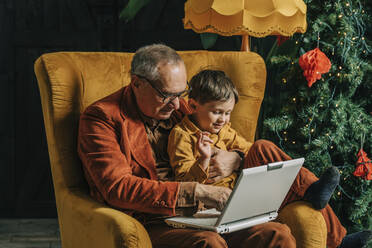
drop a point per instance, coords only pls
(70, 81)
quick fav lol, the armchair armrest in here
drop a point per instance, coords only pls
(87, 223)
(307, 224)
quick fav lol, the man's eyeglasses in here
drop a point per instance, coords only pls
(167, 97)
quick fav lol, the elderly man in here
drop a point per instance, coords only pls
(123, 147)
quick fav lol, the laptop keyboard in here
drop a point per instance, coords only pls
(208, 213)
(200, 221)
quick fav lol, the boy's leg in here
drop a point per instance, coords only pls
(263, 152)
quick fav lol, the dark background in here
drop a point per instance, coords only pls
(29, 28)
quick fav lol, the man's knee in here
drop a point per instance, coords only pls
(266, 235)
(207, 239)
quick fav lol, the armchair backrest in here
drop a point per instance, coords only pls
(70, 81)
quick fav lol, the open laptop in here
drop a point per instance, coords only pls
(255, 199)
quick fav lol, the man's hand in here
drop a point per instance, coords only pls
(222, 164)
(212, 196)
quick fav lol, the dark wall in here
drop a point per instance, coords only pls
(29, 28)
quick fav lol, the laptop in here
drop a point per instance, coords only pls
(255, 199)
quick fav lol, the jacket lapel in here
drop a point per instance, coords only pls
(134, 129)
(139, 145)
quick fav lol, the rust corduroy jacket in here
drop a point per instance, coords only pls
(117, 157)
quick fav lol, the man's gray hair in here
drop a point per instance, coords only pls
(146, 60)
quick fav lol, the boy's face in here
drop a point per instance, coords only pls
(212, 116)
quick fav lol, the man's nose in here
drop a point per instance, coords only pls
(175, 103)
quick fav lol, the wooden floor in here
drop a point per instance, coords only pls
(29, 233)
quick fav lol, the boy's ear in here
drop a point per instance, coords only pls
(192, 104)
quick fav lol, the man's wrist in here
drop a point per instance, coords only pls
(240, 153)
(240, 164)
(186, 195)
(187, 204)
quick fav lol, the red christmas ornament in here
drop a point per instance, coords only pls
(364, 166)
(281, 39)
(314, 63)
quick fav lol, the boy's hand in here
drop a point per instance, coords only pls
(204, 145)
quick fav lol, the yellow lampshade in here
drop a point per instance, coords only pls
(258, 18)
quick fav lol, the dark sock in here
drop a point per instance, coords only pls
(356, 240)
(319, 193)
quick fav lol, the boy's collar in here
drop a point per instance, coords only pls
(190, 125)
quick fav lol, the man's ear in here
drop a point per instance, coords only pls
(135, 81)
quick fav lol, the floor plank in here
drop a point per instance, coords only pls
(29, 233)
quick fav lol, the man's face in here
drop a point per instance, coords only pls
(212, 116)
(172, 82)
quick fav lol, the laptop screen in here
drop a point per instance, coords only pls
(260, 190)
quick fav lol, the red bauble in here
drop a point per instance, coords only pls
(364, 166)
(314, 63)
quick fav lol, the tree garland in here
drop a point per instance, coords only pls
(324, 123)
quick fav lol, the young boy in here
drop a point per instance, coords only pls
(191, 142)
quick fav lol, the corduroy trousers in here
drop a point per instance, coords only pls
(267, 235)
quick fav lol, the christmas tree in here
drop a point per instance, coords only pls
(329, 122)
